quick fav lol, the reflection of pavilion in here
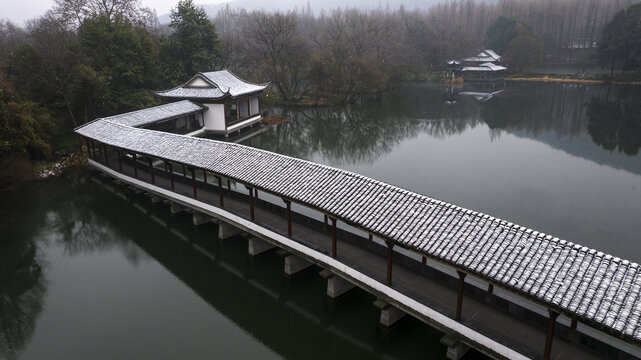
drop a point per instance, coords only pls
(481, 96)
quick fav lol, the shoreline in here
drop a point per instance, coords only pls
(572, 81)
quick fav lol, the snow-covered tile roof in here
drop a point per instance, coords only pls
(156, 113)
(485, 67)
(600, 290)
(220, 84)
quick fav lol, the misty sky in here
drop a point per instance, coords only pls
(18, 11)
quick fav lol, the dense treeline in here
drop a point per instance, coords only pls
(90, 58)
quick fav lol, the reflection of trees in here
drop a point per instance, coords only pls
(67, 211)
(363, 133)
(616, 124)
(22, 283)
(80, 220)
(536, 108)
(22, 290)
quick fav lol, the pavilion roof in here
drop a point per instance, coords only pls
(214, 85)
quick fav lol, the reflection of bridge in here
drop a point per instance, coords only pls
(188, 260)
(546, 273)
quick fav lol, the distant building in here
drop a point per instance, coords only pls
(483, 67)
(229, 103)
(453, 69)
(485, 56)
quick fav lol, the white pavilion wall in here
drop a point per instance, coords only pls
(214, 118)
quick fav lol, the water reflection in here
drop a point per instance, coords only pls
(362, 134)
(22, 282)
(616, 123)
(22, 290)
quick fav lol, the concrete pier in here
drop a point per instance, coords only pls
(226, 231)
(200, 218)
(336, 286)
(256, 246)
(456, 349)
(389, 314)
(176, 208)
(295, 264)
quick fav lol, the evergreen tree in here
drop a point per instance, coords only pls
(500, 34)
(621, 39)
(192, 46)
(119, 66)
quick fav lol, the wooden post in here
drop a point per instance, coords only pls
(171, 175)
(104, 146)
(325, 218)
(193, 181)
(256, 193)
(251, 202)
(573, 324)
(88, 148)
(390, 246)
(459, 301)
(220, 191)
(371, 237)
(119, 160)
(550, 335)
(151, 170)
(184, 171)
(334, 238)
(289, 217)
(490, 288)
(166, 171)
(205, 176)
(135, 165)
(229, 186)
(93, 147)
(424, 260)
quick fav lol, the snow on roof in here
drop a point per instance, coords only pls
(598, 289)
(156, 113)
(485, 67)
(453, 62)
(492, 54)
(219, 84)
(484, 56)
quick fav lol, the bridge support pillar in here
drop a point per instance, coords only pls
(390, 315)
(200, 218)
(176, 208)
(336, 286)
(226, 231)
(294, 264)
(455, 348)
(256, 246)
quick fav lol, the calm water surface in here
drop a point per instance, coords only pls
(85, 273)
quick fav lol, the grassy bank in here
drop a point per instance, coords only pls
(620, 79)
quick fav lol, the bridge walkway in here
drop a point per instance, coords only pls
(525, 334)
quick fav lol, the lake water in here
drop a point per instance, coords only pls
(85, 273)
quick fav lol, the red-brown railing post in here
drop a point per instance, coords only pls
(135, 165)
(550, 335)
(193, 181)
(171, 175)
(390, 253)
(459, 300)
(289, 217)
(251, 202)
(220, 191)
(151, 171)
(334, 238)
